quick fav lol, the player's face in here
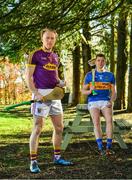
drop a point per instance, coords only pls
(48, 40)
(100, 62)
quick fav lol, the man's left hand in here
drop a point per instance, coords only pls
(109, 104)
(61, 83)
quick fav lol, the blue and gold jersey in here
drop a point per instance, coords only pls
(103, 83)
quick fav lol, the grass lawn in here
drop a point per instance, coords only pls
(15, 129)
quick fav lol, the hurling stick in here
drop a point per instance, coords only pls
(93, 81)
(19, 104)
(56, 94)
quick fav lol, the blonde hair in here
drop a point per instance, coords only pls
(48, 30)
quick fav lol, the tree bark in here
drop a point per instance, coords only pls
(121, 60)
(112, 58)
(76, 75)
(129, 108)
(86, 49)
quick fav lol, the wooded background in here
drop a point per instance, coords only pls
(84, 27)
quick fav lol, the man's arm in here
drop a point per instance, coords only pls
(61, 83)
(113, 93)
(113, 96)
(85, 90)
(29, 80)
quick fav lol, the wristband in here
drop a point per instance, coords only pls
(35, 91)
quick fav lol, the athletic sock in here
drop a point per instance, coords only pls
(57, 153)
(109, 143)
(99, 143)
(33, 156)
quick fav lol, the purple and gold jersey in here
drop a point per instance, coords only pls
(46, 67)
(103, 82)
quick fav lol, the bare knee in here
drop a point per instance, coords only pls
(38, 125)
(59, 129)
(37, 130)
(109, 122)
(96, 124)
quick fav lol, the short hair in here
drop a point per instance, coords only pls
(46, 30)
(100, 55)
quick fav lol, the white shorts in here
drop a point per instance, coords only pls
(53, 107)
(97, 104)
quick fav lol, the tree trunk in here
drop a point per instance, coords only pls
(86, 49)
(129, 108)
(112, 58)
(121, 60)
(76, 74)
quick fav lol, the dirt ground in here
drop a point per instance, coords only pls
(14, 159)
(88, 164)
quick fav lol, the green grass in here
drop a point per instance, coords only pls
(15, 130)
(15, 123)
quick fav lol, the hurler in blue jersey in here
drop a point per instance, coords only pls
(101, 101)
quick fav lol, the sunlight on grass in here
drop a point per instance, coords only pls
(14, 125)
(10, 124)
(16, 129)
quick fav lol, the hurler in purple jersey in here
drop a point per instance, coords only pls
(41, 77)
(46, 66)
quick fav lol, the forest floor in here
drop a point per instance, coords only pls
(15, 128)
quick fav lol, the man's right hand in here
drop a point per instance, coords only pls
(38, 96)
(92, 87)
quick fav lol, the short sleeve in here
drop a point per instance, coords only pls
(32, 60)
(56, 58)
(87, 78)
(113, 79)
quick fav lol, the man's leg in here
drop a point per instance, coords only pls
(95, 114)
(34, 141)
(107, 113)
(58, 130)
(57, 121)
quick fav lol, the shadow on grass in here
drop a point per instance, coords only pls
(15, 113)
(19, 136)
